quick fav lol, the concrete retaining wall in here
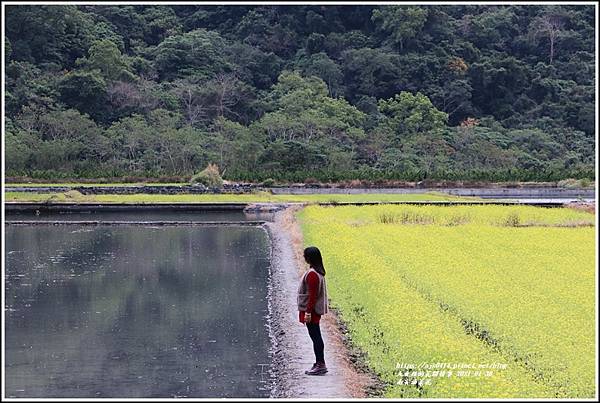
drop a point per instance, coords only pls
(479, 192)
(55, 207)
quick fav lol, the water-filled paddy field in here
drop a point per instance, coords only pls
(101, 311)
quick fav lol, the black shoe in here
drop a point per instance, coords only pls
(317, 369)
(311, 368)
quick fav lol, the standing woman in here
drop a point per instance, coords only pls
(312, 303)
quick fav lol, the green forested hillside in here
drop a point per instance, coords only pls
(292, 92)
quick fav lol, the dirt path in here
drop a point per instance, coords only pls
(292, 347)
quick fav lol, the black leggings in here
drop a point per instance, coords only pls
(315, 334)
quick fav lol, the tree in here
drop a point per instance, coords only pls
(48, 33)
(192, 101)
(452, 94)
(203, 101)
(306, 120)
(549, 26)
(104, 30)
(226, 93)
(408, 128)
(497, 80)
(61, 140)
(7, 48)
(265, 28)
(432, 152)
(160, 23)
(304, 111)
(84, 91)
(26, 85)
(253, 66)
(21, 145)
(210, 177)
(494, 27)
(402, 23)
(197, 53)
(371, 72)
(129, 24)
(320, 65)
(140, 96)
(453, 98)
(478, 147)
(406, 115)
(104, 56)
(237, 150)
(129, 139)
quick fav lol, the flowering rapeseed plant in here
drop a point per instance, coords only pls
(427, 284)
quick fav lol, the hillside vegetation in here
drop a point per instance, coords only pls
(300, 92)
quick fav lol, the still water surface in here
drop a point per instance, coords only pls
(136, 311)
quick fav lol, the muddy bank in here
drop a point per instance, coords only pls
(291, 346)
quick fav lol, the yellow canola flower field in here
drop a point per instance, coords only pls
(477, 285)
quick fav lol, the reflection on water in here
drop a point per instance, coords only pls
(136, 311)
(138, 215)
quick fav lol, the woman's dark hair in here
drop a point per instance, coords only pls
(312, 255)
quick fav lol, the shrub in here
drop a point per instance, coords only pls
(311, 181)
(512, 220)
(387, 218)
(572, 183)
(355, 183)
(458, 220)
(209, 177)
(268, 182)
(408, 217)
(74, 195)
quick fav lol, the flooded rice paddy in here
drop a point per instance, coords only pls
(140, 311)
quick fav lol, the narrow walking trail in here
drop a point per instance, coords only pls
(292, 347)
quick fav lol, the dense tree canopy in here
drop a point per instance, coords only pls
(301, 91)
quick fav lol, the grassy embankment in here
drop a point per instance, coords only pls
(465, 284)
(258, 197)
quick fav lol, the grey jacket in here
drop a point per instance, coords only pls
(321, 304)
